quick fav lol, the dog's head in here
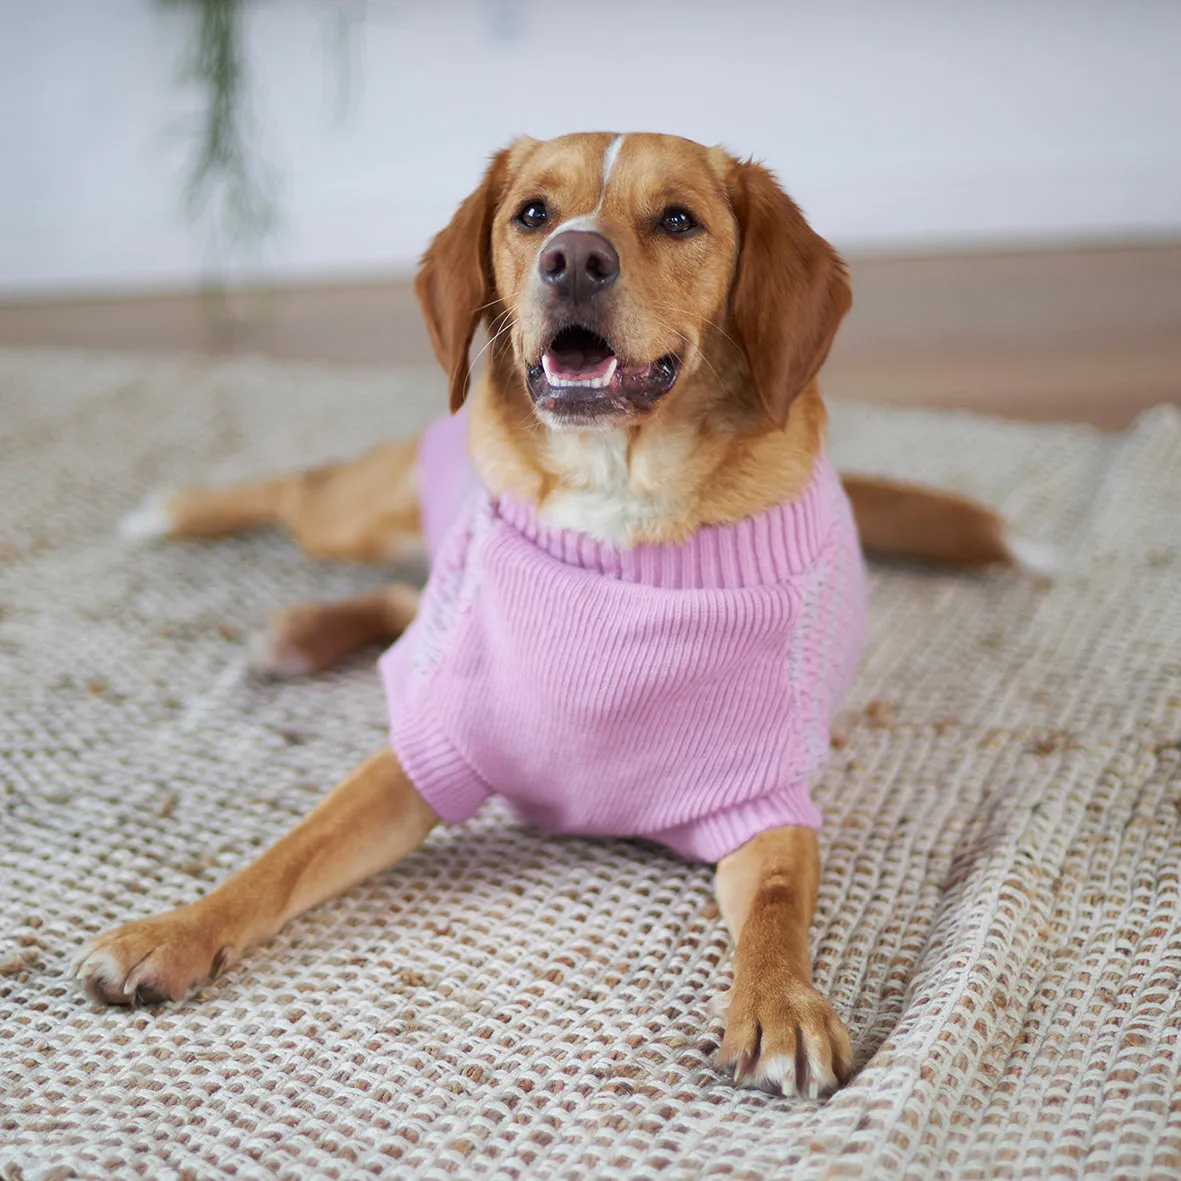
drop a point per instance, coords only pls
(611, 270)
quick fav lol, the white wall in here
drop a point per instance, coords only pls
(900, 125)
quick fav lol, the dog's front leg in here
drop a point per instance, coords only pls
(372, 820)
(780, 1032)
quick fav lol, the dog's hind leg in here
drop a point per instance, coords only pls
(933, 525)
(311, 637)
(361, 510)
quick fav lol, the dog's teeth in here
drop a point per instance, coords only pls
(566, 383)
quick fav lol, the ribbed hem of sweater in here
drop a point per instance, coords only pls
(440, 774)
(769, 547)
(713, 837)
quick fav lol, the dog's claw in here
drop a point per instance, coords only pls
(804, 1081)
(223, 960)
(842, 1066)
(147, 995)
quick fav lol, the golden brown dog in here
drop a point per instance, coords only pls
(708, 305)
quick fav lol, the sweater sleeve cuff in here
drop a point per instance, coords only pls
(439, 773)
(710, 838)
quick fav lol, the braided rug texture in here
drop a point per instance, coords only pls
(999, 914)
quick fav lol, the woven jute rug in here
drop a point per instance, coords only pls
(998, 917)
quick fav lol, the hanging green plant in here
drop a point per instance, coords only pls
(227, 182)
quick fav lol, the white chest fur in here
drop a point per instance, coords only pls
(613, 491)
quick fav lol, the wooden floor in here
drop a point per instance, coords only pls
(1092, 335)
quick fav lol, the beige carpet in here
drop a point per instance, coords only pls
(999, 913)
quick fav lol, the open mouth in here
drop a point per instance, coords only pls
(579, 379)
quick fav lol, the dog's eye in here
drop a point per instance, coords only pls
(532, 215)
(675, 220)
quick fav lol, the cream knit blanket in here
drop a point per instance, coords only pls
(998, 918)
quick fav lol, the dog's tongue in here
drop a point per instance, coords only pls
(578, 362)
(562, 369)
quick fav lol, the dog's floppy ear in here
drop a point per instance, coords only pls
(455, 284)
(790, 289)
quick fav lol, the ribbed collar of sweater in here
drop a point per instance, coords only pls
(770, 547)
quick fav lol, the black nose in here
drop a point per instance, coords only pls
(578, 263)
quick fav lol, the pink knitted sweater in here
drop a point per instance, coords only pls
(677, 692)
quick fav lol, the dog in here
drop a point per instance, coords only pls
(631, 520)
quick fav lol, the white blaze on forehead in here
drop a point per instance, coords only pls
(590, 221)
(609, 158)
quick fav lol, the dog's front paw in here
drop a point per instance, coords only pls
(783, 1035)
(153, 960)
